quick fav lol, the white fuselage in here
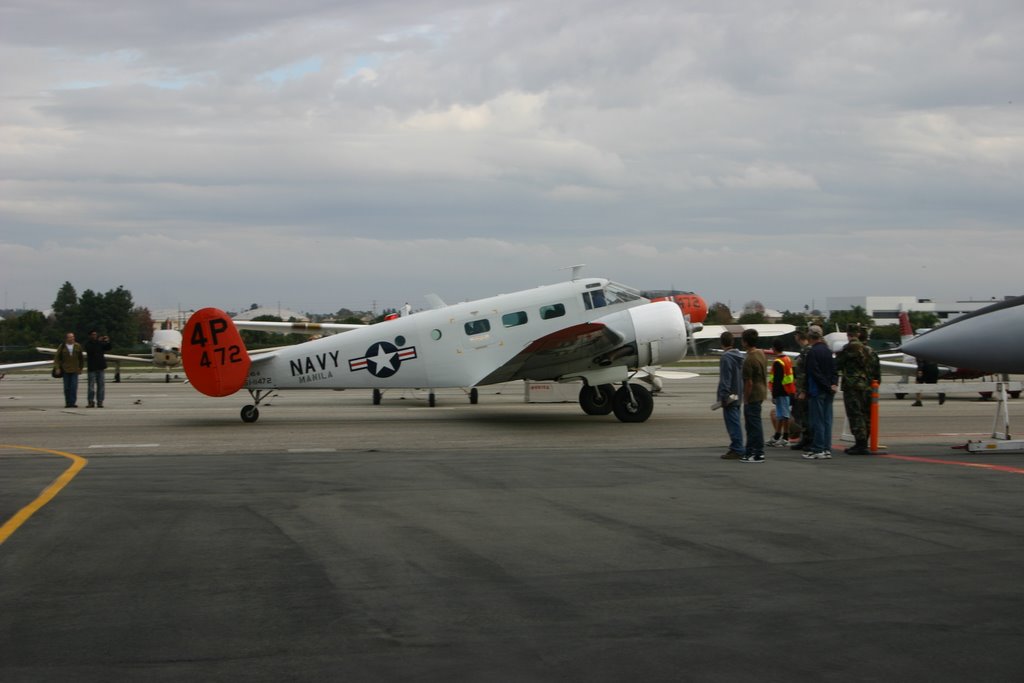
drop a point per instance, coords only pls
(555, 332)
(166, 345)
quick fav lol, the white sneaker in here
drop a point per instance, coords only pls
(815, 455)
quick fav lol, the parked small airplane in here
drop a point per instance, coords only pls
(987, 338)
(586, 329)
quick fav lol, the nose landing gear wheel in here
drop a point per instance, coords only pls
(633, 403)
(250, 414)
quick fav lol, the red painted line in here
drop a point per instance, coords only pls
(978, 465)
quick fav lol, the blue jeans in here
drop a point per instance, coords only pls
(96, 389)
(70, 388)
(820, 414)
(731, 413)
(755, 430)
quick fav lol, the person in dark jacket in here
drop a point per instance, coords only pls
(70, 361)
(822, 385)
(730, 388)
(95, 347)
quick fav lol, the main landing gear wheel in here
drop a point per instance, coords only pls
(632, 403)
(597, 399)
(376, 397)
(431, 399)
(250, 414)
(474, 396)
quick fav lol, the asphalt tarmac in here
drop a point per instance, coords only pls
(505, 541)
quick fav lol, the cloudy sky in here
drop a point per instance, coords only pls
(324, 154)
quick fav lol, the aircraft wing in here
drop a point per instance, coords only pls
(295, 328)
(542, 358)
(763, 330)
(27, 364)
(141, 360)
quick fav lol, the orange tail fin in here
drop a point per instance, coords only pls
(906, 331)
(213, 353)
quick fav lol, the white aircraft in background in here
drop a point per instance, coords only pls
(586, 329)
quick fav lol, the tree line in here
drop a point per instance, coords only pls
(112, 313)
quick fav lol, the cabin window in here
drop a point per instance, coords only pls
(552, 311)
(475, 327)
(514, 319)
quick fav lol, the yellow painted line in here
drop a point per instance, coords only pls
(48, 494)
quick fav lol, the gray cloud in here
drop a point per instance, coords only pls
(327, 153)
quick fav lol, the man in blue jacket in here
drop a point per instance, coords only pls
(730, 387)
(822, 384)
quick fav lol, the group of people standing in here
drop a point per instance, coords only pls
(72, 358)
(801, 391)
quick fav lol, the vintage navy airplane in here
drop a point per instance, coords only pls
(586, 329)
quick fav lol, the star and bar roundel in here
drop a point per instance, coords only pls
(382, 359)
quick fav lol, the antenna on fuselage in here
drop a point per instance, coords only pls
(576, 270)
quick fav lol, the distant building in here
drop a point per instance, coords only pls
(885, 310)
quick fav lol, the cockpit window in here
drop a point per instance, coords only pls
(594, 299)
(618, 294)
(611, 294)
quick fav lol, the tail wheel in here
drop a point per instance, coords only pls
(431, 399)
(376, 397)
(597, 399)
(250, 414)
(633, 403)
(474, 396)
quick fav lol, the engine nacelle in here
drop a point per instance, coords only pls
(660, 333)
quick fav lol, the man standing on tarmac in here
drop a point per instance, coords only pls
(854, 365)
(875, 366)
(95, 348)
(822, 384)
(755, 391)
(730, 387)
(68, 364)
